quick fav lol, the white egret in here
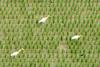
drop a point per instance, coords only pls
(16, 52)
(43, 20)
(75, 37)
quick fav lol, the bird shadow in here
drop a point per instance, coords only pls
(39, 24)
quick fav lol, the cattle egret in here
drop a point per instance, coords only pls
(76, 37)
(43, 20)
(16, 53)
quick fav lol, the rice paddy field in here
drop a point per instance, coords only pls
(50, 44)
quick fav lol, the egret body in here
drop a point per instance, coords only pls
(44, 19)
(16, 52)
(76, 37)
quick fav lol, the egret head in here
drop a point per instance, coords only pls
(22, 49)
(81, 35)
(48, 16)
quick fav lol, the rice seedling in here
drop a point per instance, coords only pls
(43, 43)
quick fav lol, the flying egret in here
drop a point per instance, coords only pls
(16, 52)
(43, 20)
(75, 37)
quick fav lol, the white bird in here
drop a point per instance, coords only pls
(75, 37)
(44, 19)
(16, 52)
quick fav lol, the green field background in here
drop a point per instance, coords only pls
(50, 44)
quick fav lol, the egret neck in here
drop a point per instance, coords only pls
(20, 50)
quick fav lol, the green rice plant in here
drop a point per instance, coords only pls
(42, 42)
